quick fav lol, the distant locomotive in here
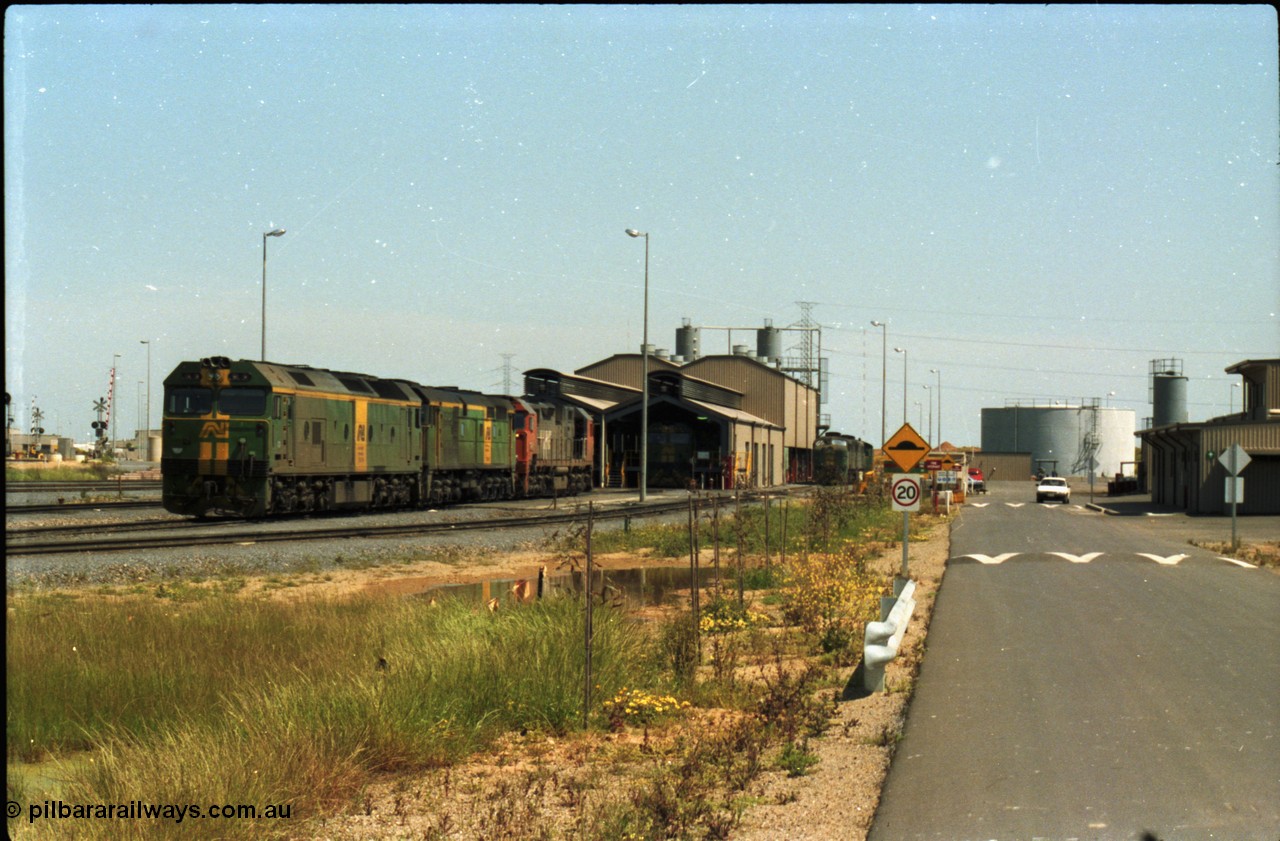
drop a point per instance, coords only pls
(259, 439)
(840, 459)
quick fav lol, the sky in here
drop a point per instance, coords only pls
(1037, 201)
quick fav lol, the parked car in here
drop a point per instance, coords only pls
(1053, 488)
(977, 483)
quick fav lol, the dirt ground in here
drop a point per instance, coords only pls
(533, 784)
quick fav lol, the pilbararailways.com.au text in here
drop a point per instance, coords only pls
(137, 810)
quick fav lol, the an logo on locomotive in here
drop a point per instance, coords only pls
(216, 429)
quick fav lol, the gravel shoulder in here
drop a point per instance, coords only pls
(837, 799)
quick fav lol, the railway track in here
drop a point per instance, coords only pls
(26, 542)
(80, 507)
(105, 486)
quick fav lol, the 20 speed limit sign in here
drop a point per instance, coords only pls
(904, 491)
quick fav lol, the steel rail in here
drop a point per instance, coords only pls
(96, 485)
(51, 547)
(78, 507)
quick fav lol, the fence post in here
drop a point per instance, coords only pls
(586, 591)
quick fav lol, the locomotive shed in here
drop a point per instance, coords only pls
(715, 422)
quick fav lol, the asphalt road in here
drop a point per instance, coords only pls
(1091, 677)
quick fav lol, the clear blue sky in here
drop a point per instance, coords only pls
(1039, 200)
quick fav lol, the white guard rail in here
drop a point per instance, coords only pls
(881, 640)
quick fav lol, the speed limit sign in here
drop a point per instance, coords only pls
(904, 491)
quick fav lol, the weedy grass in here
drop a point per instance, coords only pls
(213, 698)
(232, 700)
(61, 473)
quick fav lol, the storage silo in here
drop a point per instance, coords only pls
(769, 343)
(688, 342)
(1063, 438)
(1168, 392)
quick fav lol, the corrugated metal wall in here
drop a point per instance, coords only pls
(1003, 467)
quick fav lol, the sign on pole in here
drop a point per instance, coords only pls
(906, 448)
(904, 491)
(1234, 459)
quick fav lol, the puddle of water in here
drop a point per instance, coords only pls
(647, 587)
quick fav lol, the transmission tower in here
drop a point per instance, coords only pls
(807, 365)
(508, 372)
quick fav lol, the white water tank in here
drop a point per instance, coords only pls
(1063, 438)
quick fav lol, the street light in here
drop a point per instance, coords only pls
(938, 371)
(903, 351)
(884, 367)
(278, 232)
(115, 399)
(644, 376)
(137, 418)
(146, 434)
(929, 389)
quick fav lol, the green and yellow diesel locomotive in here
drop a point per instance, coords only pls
(840, 459)
(258, 439)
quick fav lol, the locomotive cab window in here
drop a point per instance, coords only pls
(189, 401)
(242, 401)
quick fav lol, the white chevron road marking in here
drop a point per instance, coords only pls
(1077, 559)
(1172, 560)
(998, 559)
(980, 504)
(1015, 504)
(1238, 563)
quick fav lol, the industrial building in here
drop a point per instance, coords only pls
(1062, 439)
(20, 445)
(718, 421)
(1182, 458)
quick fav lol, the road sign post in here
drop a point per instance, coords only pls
(1234, 459)
(905, 448)
(904, 493)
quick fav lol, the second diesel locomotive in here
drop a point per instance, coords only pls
(258, 439)
(840, 459)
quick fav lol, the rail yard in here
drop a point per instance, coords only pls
(128, 541)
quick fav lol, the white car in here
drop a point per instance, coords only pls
(1051, 487)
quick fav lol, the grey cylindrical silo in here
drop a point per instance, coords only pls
(769, 343)
(1169, 399)
(688, 342)
(1065, 439)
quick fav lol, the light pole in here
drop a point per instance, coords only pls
(644, 373)
(137, 418)
(146, 433)
(884, 367)
(115, 399)
(938, 371)
(278, 232)
(903, 351)
(929, 389)
(1231, 400)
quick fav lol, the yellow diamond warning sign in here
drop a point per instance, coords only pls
(906, 448)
